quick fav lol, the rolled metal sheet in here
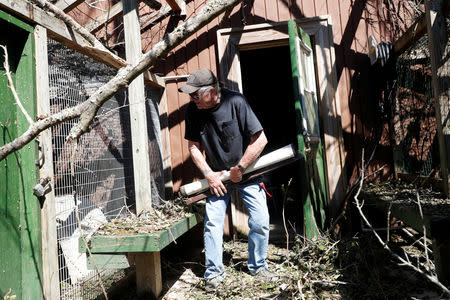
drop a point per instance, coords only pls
(264, 161)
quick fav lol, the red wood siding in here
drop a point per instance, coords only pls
(353, 22)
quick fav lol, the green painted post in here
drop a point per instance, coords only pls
(20, 224)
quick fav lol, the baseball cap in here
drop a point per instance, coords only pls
(198, 79)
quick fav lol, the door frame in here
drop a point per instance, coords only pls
(231, 40)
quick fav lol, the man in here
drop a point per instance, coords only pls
(222, 123)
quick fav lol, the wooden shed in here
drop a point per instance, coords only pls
(136, 153)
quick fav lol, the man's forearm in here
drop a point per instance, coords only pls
(254, 149)
(199, 160)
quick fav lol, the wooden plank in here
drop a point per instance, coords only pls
(59, 31)
(148, 273)
(271, 11)
(152, 4)
(440, 65)
(68, 5)
(138, 117)
(115, 11)
(140, 242)
(165, 141)
(178, 5)
(107, 261)
(156, 16)
(332, 126)
(50, 270)
(411, 35)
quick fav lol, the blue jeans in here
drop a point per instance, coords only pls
(254, 198)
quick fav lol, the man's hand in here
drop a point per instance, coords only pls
(236, 174)
(216, 185)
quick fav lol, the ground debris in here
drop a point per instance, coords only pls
(161, 217)
(317, 268)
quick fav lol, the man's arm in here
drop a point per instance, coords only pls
(257, 143)
(216, 185)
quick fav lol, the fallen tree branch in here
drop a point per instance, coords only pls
(87, 110)
(60, 14)
(403, 262)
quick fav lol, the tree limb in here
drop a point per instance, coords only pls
(60, 14)
(88, 109)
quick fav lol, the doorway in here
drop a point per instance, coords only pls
(267, 85)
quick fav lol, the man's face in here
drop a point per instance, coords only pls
(204, 100)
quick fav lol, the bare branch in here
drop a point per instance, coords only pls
(211, 10)
(88, 109)
(403, 262)
(60, 14)
(13, 89)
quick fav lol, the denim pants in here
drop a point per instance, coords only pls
(254, 197)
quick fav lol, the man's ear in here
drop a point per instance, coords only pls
(213, 92)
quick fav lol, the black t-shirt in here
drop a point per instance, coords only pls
(223, 131)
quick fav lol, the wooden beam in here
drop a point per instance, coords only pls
(68, 5)
(411, 35)
(59, 31)
(50, 269)
(136, 90)
(440, 66)
(178, 5)
(156, 16)
(148, 273)
(115, 11)
(152, 4)
(165, 141)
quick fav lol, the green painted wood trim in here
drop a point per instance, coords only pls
(310, 224)
(107, 261)
(140, 242)
(19, 23)
(31, 220)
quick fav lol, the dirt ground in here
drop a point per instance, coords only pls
(349, 267)
(352, 268)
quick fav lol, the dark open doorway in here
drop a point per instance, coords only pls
(267, 85)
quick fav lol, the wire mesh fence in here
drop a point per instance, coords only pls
(415, 121)
(101, 185)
